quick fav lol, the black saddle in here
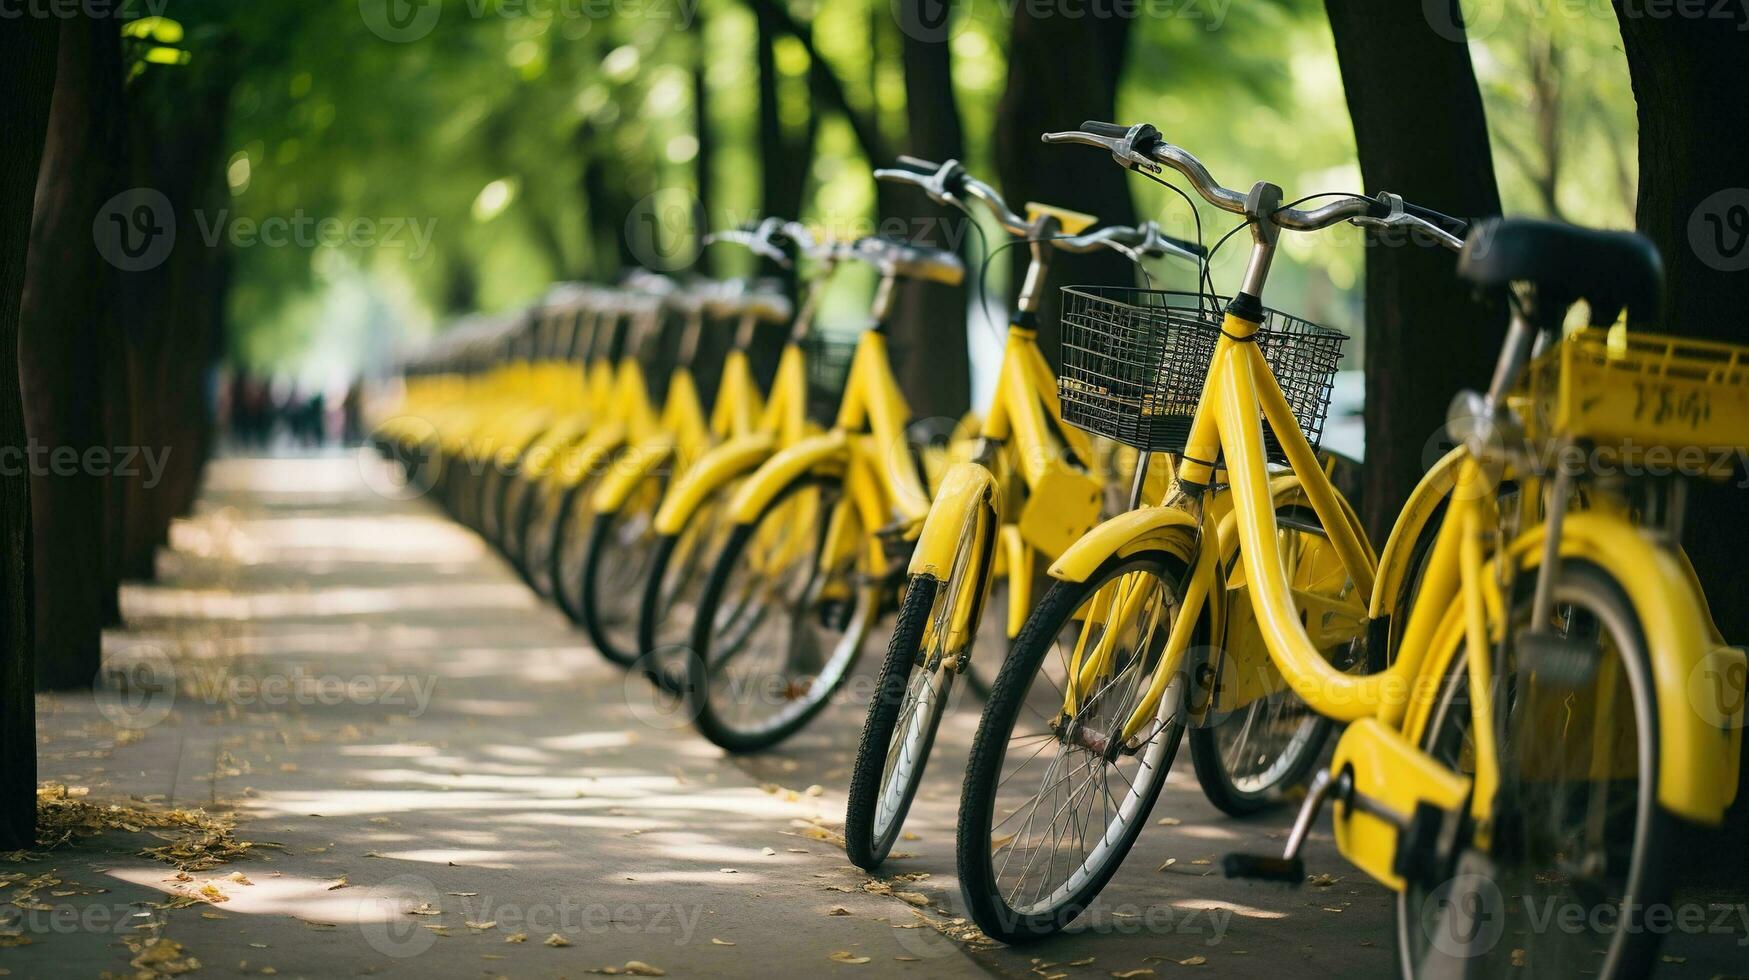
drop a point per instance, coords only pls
(1609, 270)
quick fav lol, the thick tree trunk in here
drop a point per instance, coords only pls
(1693, 102)
(66, 325)
(1420, 132)
(177, 123)
(1047, 91)
(27, 73)
(929, 321)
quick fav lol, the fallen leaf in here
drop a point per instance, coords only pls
(914, 898)
(1127, 974)
(425, 908)
(517, 937)
(556, 941)
(846, 956)
(720, 942)
(1193, 961)
(482, 926)
(837, 910)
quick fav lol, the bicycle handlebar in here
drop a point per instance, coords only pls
(945, 183)
(1142, 147)
(765, 239)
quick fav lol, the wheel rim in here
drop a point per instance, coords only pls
(622, 567)
(1076, 820)
(778, 653)
(682, 586)
(1553, 870)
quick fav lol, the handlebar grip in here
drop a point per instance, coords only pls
(1194, 248)
(1098, 128)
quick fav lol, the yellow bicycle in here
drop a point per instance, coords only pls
(1033, 486)
(691, 524)
(1582, 622)
(815, 544)
(624, 538)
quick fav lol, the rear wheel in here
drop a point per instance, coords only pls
(1052, 803)
(780, 621)
(1577, 826)
(1250, 759)
(570, 542)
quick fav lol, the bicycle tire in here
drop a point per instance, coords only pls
(975, 845)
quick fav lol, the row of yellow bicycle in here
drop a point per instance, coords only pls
(1145, 544)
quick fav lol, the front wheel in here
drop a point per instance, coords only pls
(1578, 836)
(680, 564)
(912, 694)
(800, 613)
(622, 546)
(1054, 799)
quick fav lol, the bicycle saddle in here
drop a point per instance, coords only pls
(1608, 269)
(896, 257)
(761, 300)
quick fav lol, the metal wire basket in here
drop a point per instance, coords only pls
(828, 358)
(1134, 361)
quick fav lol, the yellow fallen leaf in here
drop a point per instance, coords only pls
(338, 883)
(1193, 961)
(720, 942)
(846, 956)
(914, 898)
(1127, 974)
(638, 968)
(556, 941)
(837, 910)
(517, 937)
(425, 908)
(482, 926)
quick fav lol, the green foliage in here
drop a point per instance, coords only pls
(521, 132)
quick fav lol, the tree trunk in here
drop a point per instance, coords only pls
(929, 321)
(66, 323)
(177, 124)
(27, 74)
(1047, 91)
(1420, 132)
(1693, 103)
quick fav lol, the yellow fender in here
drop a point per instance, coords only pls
(710, 474)
(1149, 528)
(828, 453)
(1434, 487)
(965, 489)
(1700, 734)
(1020, 559)
(584, 459)
(629, 470)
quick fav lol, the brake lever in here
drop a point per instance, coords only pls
(1399, 218)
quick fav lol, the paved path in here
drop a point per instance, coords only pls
(440, 779)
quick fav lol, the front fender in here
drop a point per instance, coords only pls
(711, 473)
(584, 459)
(630, 469)
(828, 454)
(1435, 486)
(1149, 528)
(965, 489)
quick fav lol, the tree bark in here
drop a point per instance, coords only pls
(1047, 91)
(1692, 99)
(177, 124)
(1420, 132)
(27, 73)
(67, 326)
(929, 321)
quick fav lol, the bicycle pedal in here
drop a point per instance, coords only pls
(1555, 659)
(1265, 867)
